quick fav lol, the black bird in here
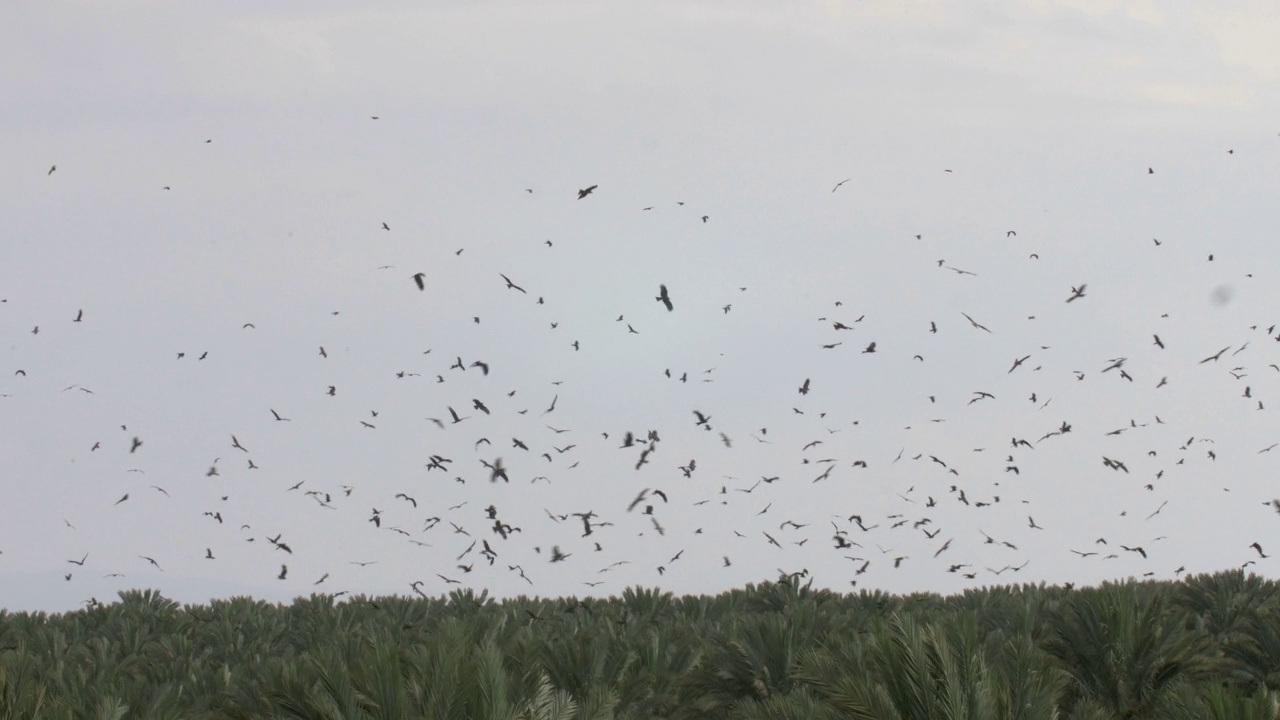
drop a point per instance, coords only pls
(974, 322)
(284, 572)
(804, 389)
(137, 443)
(664, 298)
(1215, 356)
(1076, 292)
(511, 285)
(837, 187)
(420, 279)
(277, 416)
(586, 191)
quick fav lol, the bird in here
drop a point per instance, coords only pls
(664, 298)
(974, 322)
(51, 169)
(1076, 292)
(587, 191)
(511, 285)
(276, 415)
(837, 187)
(284, 572)
(421, 280)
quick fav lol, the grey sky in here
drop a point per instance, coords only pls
(1047, 115)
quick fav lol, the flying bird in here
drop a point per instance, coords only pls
(586, 191)
(974, 322)
(664, 298)
(511, 285)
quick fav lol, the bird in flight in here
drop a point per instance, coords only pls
(837, 187)
(511, 285)
(974, 322)
(1076, 292)
(586, 191)
(664, 298)
(420, 279)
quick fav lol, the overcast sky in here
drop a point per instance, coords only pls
(223, 177)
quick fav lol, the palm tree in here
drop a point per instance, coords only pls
(1123, 652)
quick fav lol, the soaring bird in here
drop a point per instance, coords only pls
(586, 191)
(664, 298)
(974, 322)
(511, 285)
(420, 279)
(1076, 292)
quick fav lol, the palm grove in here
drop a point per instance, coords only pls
(1207, 647)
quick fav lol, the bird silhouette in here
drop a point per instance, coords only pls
(664, 298)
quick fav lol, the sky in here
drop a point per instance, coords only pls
(199, 198)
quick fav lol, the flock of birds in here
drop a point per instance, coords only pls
(811, 518)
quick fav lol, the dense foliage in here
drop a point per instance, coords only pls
(1207, 647)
